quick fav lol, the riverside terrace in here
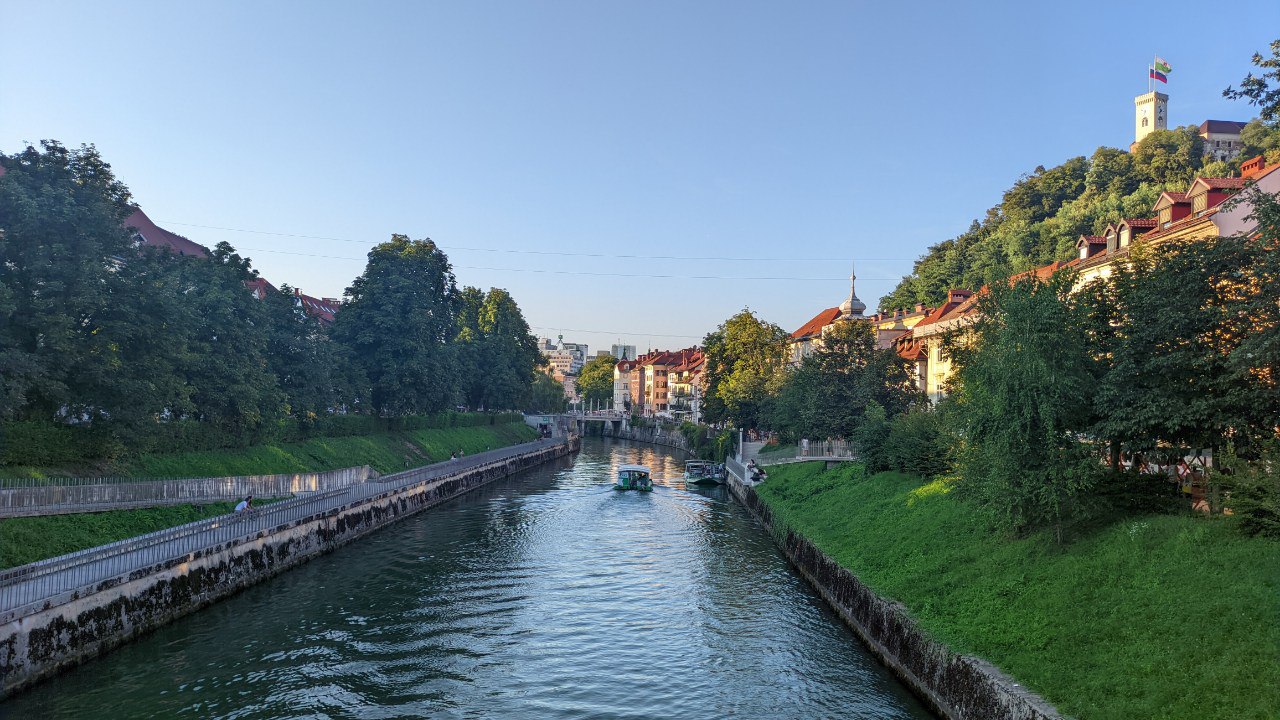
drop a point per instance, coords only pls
(58, 612)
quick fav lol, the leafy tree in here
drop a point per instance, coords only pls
(547, 394)
(497, 353)
(1176, 374)
(917, 443)
(744, 368)
(303, 359)
(1259, 90)
(61, 237)
(844, 375)
(1025, 385)
(399, 322)
(1258, 138)
(872, 437)
(1170, 157)
(595, 382)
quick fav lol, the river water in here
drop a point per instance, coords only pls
(549, 595)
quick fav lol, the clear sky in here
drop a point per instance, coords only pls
(697, 141)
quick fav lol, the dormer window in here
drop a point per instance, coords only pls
(1124, 237)
(1200, 204)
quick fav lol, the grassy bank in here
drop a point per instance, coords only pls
(1151, 617)
(385, 452)
(28, 539)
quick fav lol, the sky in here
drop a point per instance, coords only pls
(632, 172)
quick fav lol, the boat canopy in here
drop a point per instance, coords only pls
(634, 468)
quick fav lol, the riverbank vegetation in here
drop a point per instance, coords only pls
(385, 446)
(28, 539)
(1140, 615)
(139, 349)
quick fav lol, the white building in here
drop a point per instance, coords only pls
(1221, 138)
(1150, 113)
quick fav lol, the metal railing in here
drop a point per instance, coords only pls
(50, 499)
(42, 582)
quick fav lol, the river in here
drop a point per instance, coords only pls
(549, 595)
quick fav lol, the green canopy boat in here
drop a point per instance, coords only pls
(634, 477)
(703, 472)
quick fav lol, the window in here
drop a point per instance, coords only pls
(1144, 122)
(1200, 203)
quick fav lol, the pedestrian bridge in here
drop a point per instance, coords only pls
(618, 420)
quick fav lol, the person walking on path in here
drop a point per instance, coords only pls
(245, 505)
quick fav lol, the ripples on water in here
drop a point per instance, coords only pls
(547, 596)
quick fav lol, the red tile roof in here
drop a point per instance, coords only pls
(155, 236)
(1139, 222)
(1092, 240)
(1222, 126)
(813, 328)
(1218, 183)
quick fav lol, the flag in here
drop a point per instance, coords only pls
(1162, 67)
(1158, 76)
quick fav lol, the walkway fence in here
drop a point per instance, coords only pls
(39, 496)
(82, 572)
(809, 450)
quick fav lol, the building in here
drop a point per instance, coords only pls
(622, 395)
(685, 382)
(623, 352)
(1222, 138)
(1196, 214)
(1150, 113)
(566, 358)
(889, 325)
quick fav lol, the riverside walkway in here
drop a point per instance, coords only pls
(47, 583)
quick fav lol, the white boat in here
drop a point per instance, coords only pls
(634, 477)
(703, 472)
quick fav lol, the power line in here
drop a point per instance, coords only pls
(554, 253)
(617, 333)
(577, 272)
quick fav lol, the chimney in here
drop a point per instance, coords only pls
(958, 296)
(297, 292)
(1252, 166)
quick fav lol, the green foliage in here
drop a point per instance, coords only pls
(1170, 157)
(744, 369)
(1177, 329)
(872, 436)
(1262, 90)
(1255, 494)
(398, 321)
(828, 395)
(498, 354)
(917, 443)
(595, 382)
(1024, 393)
(547, 395)
(1171, 616)
(28, 539)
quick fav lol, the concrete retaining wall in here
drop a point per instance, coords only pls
(957, 687)
(666, 438)
(57, 636)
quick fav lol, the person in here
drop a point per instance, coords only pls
(245, 505)
(453, 455)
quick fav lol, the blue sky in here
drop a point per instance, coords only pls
(783, 139)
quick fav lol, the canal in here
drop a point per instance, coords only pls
(549, 595)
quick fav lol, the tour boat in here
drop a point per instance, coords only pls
(634, 477)
(703, 472)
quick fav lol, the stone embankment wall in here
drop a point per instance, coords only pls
(656, 436)
(76, 495)
(957, 687)
(65, 631)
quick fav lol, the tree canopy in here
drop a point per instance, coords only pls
(595, 382)
(744, 369)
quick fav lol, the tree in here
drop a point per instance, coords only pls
(301, 356)
(1170, 157)
(1024, 392)
(497, 354)
(1259, 90)
(744, 368)
(399, 322)
(61, 238)
(595, 382)
(1177, 374)
(846, 374)
(547, 394)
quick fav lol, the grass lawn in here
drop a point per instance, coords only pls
(1161, 616)
(28, 539)
(385, 452)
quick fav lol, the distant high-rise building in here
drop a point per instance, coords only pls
(623, 352)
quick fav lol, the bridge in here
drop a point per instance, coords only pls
(619, 421)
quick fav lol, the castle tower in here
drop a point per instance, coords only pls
(1151, 113)
(852, 308)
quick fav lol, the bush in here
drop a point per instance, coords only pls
(1255, 496)
(872, 438)
(917, 444)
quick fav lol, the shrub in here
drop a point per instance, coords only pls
(916, 444)
(1255, 496)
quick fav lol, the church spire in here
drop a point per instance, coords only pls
(852, 308)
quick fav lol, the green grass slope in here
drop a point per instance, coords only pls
(28, 539)
(1151, 617)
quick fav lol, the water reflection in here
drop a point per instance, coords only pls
(550, 596)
